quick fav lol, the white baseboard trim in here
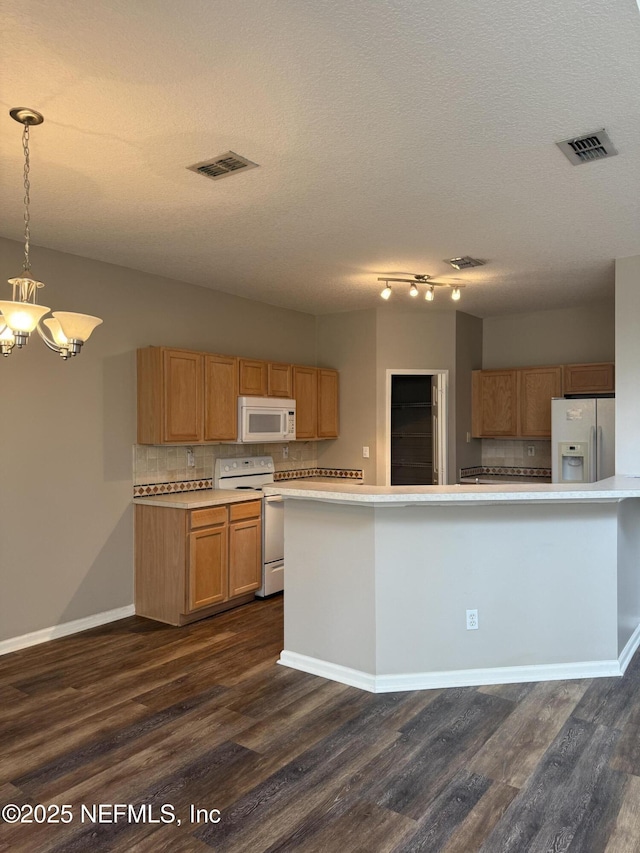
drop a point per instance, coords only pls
(629, 650)
(332, 671)
(452, 678)
(14, 644)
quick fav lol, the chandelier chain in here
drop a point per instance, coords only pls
(27, 198)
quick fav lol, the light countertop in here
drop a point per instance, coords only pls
(200, 498)
(612, 489)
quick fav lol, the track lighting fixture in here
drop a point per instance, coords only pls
(422, 279)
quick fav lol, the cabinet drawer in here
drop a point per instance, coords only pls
(250, 509)
(207, 517)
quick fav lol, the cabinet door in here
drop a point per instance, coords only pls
(182, 395)
(208, 567)
(494, 410)
(589, 378)
(305, 392)
(245, 556)
(279, 380)
(253, 378)
(327, 403)
(537, 385)
(220, 398)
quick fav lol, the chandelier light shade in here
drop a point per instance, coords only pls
(22, 315)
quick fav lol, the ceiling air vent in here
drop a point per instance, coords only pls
(591, 146)
(464, 263)
(222, 166)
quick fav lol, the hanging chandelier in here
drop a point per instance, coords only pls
(21, 315)
(385, 293)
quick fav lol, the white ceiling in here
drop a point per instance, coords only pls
(390, 134)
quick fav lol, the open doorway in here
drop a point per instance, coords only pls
(416, 427)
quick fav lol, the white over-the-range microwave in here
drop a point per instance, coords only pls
(262, 419)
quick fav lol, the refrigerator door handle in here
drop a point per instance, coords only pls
(592, 454)
(435, 450)
(599, 456)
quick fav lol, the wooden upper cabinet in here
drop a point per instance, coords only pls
(327, 403)
(253, 378)
(589, 378)
(187, 397)
(220, 398)
(170, 396)
(536, 387)
(279, 382)
(182, 395)
(305, 393)
(494, 410)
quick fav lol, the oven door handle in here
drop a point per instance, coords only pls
(272, 499)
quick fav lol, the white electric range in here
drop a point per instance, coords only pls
(252, 473)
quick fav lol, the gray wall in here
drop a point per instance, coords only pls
(414, 339)
(564, 336)
(67, 428)
(628, 365)
(469, 331)
(348, 342)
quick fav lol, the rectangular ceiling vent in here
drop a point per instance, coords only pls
(591, 146)
(222, 166)
(464, 263)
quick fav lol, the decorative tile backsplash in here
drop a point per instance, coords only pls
(514, 454)
(164, 470)
(153, 465)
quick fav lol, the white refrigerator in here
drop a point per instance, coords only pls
(582, 439)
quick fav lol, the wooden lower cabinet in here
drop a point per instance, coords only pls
(190, 564)
(208, 567)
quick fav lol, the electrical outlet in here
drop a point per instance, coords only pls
(365, 452)
(191, 459)
(472, 620)
(285, 452)
(531, 450)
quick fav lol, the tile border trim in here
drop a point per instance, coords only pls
(151, 489)
(481, 470)
(169, 488)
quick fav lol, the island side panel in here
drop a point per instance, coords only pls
(329, 611)
(628, 571)
(543, 579)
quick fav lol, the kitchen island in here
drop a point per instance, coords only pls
(379, 579)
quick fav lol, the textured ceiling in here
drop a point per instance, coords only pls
(390, 134)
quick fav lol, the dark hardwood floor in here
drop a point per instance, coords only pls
(144, 714)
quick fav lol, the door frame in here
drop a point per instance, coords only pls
(443, 417)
